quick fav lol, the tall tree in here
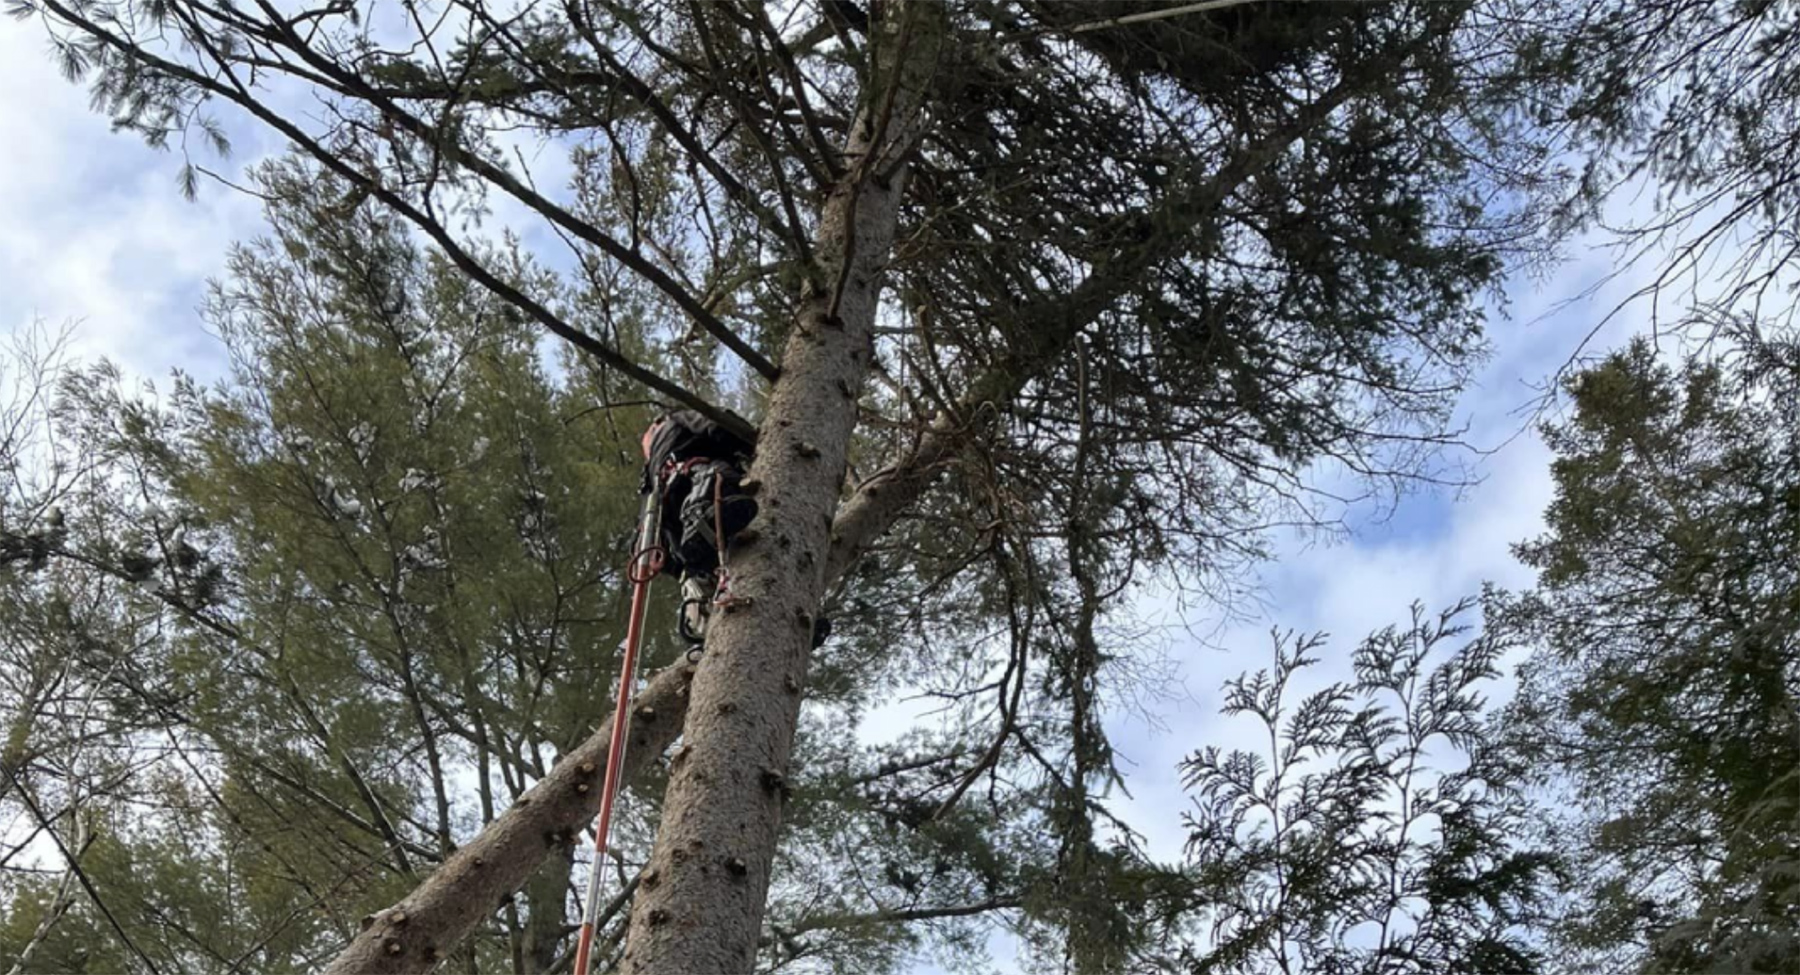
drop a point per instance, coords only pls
(352, 600)
(1657, 698)
(864, 224)
(402, 531)
(1667, 686)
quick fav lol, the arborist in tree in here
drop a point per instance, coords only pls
(699, 466)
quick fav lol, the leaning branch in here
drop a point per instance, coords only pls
(73, 860)
(418, 932)
(643, 94)
(1203, 6)
(354, 85)
(826, 922)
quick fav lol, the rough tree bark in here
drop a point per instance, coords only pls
(416, 933)
(700, 904)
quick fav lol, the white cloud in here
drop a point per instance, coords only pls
(96, 230)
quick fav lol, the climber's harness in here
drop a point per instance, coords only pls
(721, 596)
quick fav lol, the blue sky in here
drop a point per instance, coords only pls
(94, 233)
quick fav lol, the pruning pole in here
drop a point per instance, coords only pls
(646, 561)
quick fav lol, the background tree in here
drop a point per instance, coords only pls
(1665, 659)
(344, 606)
(55, 767)
(1664, 691)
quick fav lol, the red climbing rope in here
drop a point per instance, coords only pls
(646, 561)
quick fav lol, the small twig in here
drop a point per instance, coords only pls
(603, 407)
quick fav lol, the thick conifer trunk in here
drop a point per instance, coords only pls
(700, 904)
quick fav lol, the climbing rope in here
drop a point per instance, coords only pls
(647, 558)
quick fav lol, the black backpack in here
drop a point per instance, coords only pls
(701, 468)
(686, 435)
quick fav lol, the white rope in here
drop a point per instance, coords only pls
(1148, 15)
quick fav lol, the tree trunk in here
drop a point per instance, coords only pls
(700, 903)
(418, 932)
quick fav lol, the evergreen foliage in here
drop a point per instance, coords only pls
(1380, 830)
(284, 644)
(1663, 697)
